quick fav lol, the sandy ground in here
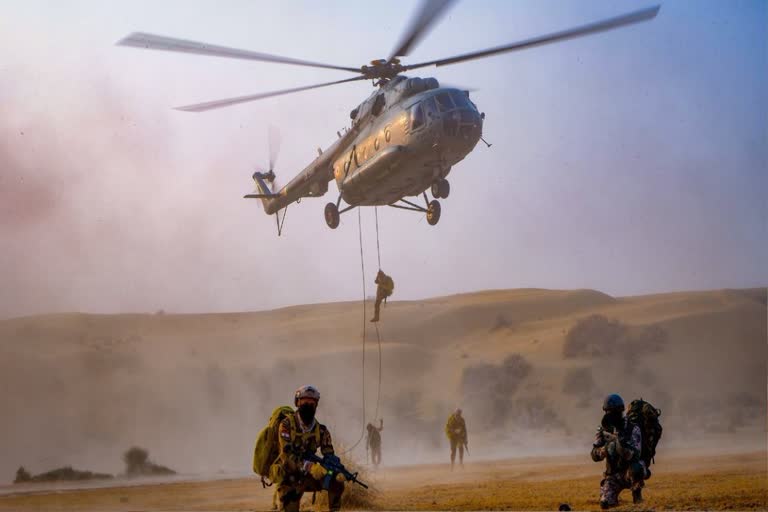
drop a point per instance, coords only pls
(680, 482)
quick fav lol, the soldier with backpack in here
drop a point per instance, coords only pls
(384, 288)
(283, 447)
(619, 442)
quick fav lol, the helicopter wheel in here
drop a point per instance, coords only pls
(441, 189)
(332, 215)
(433, 212)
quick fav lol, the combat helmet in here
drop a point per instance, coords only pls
(613, 402)
(307, 391)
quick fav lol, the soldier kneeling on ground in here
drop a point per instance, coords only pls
(619, 442)
(300, 433)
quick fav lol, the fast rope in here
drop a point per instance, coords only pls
(362, 269)
(376, 325)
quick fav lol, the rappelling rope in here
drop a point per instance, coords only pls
(376, 325)
(362, 269)
(378, 249)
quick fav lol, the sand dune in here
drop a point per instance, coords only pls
(79, 389)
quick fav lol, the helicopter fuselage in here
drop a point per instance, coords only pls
(403, 138)
(404, 149)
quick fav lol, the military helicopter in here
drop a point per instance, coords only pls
(403, 139)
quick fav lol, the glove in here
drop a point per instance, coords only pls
(340, 478)
(307, 466)
(317, 471)
(599, 439)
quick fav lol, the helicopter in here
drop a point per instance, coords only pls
(403, 140)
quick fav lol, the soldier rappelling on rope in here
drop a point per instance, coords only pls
(385, 287)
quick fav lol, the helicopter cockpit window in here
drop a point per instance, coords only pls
(417, 116)
(444, 102)
(460, 98)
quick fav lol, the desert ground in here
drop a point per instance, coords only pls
(680, 482)
(530, 368)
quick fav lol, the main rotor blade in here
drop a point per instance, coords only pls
(592, 28)
(210, 105)
(428, 14)
(171, 44)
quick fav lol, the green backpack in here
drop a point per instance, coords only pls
(646, 416)
(267, 444)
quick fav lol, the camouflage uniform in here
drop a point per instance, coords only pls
(623, 467)
(289, 471)
(384, 289)
(374, 443)
(456, 431)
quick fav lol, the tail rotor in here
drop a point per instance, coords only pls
(266, 181)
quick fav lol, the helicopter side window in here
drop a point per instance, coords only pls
(417, 116)
(444, 102)
(430, 107)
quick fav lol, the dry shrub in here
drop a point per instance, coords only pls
(137, 463)
(599, 336)
(487, 388)
(579, 382)
(501, 323)
(594, 336)
(355, 496)
(536, 412)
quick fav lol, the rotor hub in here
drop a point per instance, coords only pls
(382, 69)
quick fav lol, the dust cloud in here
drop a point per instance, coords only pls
(195, 390)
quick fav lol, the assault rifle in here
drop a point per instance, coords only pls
(612, 443)
(333, 465)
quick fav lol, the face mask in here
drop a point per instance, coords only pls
(613, 419)
(307, 413)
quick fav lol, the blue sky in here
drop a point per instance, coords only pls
(631, 162)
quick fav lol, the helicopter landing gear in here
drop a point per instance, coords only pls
(433, 212)
(441, 189)
(332, 216)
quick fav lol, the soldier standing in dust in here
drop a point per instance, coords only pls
(385, 287)
(374, 442)
(619, 443)
(456, 431)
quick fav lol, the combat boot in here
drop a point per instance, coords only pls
(637, 496)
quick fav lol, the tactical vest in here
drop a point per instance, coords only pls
(300, 441)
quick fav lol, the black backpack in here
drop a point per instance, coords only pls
(646, 416)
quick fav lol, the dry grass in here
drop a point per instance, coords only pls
(704, 491)
(712, 483)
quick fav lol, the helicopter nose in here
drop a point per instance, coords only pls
(463, 124)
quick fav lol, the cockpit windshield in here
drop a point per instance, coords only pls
(444, 102)
(460, 99)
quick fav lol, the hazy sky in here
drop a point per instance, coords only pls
(633, 161)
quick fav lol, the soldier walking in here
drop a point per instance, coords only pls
(456, 431)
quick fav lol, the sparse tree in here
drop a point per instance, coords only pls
(22, 475)
(135, 460)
